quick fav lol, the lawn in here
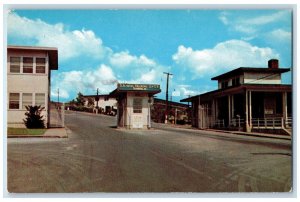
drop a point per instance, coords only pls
(25, 131)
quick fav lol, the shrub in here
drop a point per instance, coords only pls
(34, 119)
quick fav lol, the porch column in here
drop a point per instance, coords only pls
(246, 112)
(213, 112)
(250, 109)
(216, 108)
(284, 107)
(232, 106)
(229, 110)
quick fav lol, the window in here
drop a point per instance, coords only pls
(236, 81)
(40, 65)
(40, 99)
(26, 100)
(224, 84)
(27, 65)
(137, 105)
(14, 100)
(15, 64)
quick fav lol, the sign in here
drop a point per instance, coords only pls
(268, 111)
(138, 87)
(137, 121)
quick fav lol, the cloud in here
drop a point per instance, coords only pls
(279, 35)
(72, 82)
(124, 59)
(223, 57)
(265, 19)
(252, 24)
(70, 44)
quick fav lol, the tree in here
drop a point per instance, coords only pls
(90, 102)
(34, 119)
(79, 99)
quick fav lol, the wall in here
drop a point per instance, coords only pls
(132, 118)
(266, 78)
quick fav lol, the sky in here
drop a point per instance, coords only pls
(100, 48)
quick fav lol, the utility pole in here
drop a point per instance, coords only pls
(97, 100)
(58, 97)
(97, 97)
(167, 97)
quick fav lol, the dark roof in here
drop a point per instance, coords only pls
(157, 100)
(241, 70)
(52, 52)
(102, 95)
(240, 88)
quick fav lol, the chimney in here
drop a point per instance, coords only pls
(273, 64)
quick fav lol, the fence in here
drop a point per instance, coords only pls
(57, 116)
(289, 122)
(219, 123)
(237, 122)
(267, 123)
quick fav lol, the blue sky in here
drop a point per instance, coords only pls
(98, 48)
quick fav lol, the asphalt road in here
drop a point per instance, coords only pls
(97, 157)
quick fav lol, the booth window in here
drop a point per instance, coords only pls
(137, 105)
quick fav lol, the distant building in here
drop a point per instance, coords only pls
(178, 112)
(28, 81)
(247, 99)
(105, 103)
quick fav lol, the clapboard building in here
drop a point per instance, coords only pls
(247, 99)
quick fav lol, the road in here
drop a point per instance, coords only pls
(97, 157)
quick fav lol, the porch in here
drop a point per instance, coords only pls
(246, 108)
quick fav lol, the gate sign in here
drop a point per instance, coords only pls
(139, 87)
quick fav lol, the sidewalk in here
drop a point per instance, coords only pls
(50, 133)
(266, 135)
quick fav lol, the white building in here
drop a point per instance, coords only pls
(104, 103)
(28, 81)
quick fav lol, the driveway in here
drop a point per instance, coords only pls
(97, 157)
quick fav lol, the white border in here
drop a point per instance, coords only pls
(155, 4)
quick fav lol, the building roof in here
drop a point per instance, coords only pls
(125, 87)
(241, 70)
(102, 95)
(240, 89)
(52, 52)
(171, 103)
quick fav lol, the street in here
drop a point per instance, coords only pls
(98, 157)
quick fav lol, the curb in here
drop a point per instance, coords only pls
(38, 136)
(240, 133)
(254, 135)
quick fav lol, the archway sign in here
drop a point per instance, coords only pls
(134, 102)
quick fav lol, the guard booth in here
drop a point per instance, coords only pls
(134, 102)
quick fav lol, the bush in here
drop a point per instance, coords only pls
(33, 117)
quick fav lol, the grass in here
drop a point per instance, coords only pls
(25, 131)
